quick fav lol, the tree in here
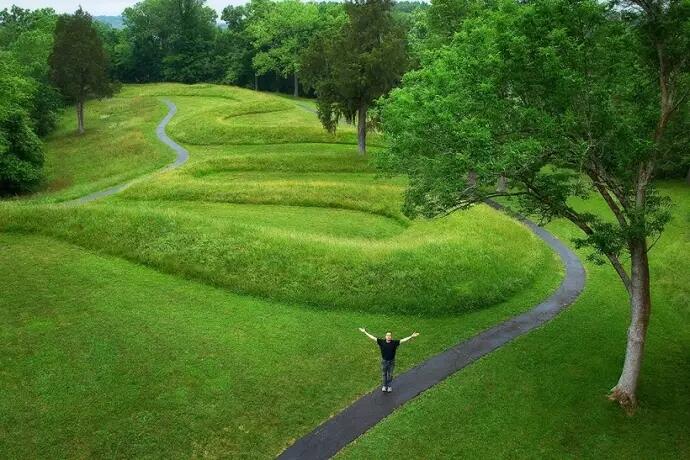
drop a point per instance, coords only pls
(564, 98)
(171, 40)
(351, 67)
(234, 46)
(78, 62)
(191, 34)
(21, 156)
(140, 55)
(278, 33)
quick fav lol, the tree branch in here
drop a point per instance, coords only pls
(573, 216)
(464, 203)
(604, 192)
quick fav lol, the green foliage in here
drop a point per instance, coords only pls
(278, 32)
(79, 65)
(168, 40)
(21, 156)
(28, 38)
(560, 97)
(234, 46)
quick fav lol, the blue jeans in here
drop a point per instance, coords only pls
(387, 371)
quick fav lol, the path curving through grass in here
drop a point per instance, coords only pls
(272, 229)
(180, 159)
(330, 437)
(337, 432)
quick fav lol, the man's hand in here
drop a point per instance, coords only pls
(364, 331)
(414, 334)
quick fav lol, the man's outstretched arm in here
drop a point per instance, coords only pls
(364, 331)
(414, 334)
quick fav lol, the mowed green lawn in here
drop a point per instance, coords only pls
(543, 395)
(213, 310)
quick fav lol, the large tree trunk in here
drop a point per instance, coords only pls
(471, 178)
(362, 129)
(80, 117)
(296, 93)
(256, 82)
(640, 305)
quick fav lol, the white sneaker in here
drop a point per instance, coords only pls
(389, 389)
(384, 388)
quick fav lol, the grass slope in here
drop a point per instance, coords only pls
(119, 144)
(542, 396)
(123, 326)
(106, 358)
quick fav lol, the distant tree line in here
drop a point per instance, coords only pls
(257, 45)
(348, 55)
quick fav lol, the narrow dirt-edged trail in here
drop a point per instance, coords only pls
(180, 159)
(337, 432)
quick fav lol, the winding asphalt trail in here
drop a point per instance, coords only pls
(182, 157)
(334, 434)
(337, 432)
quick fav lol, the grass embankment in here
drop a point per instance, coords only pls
(543, 395)
(401, 273)
(106, 357)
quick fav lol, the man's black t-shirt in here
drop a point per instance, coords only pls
(388, 348)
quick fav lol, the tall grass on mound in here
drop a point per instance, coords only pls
(255, 119)
(316, 223)
(181, 89)
(298, 158)
(376, 198)
(487, 257)
(328, 176)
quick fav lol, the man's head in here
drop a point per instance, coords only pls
(389, 336)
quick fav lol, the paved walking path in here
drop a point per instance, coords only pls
(337, 432)
(182, 157)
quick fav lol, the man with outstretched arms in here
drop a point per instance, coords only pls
(388, 348)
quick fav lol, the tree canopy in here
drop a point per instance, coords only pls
(279, 33)
(168, 40)
(21, 157)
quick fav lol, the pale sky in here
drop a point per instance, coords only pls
(99, 8)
